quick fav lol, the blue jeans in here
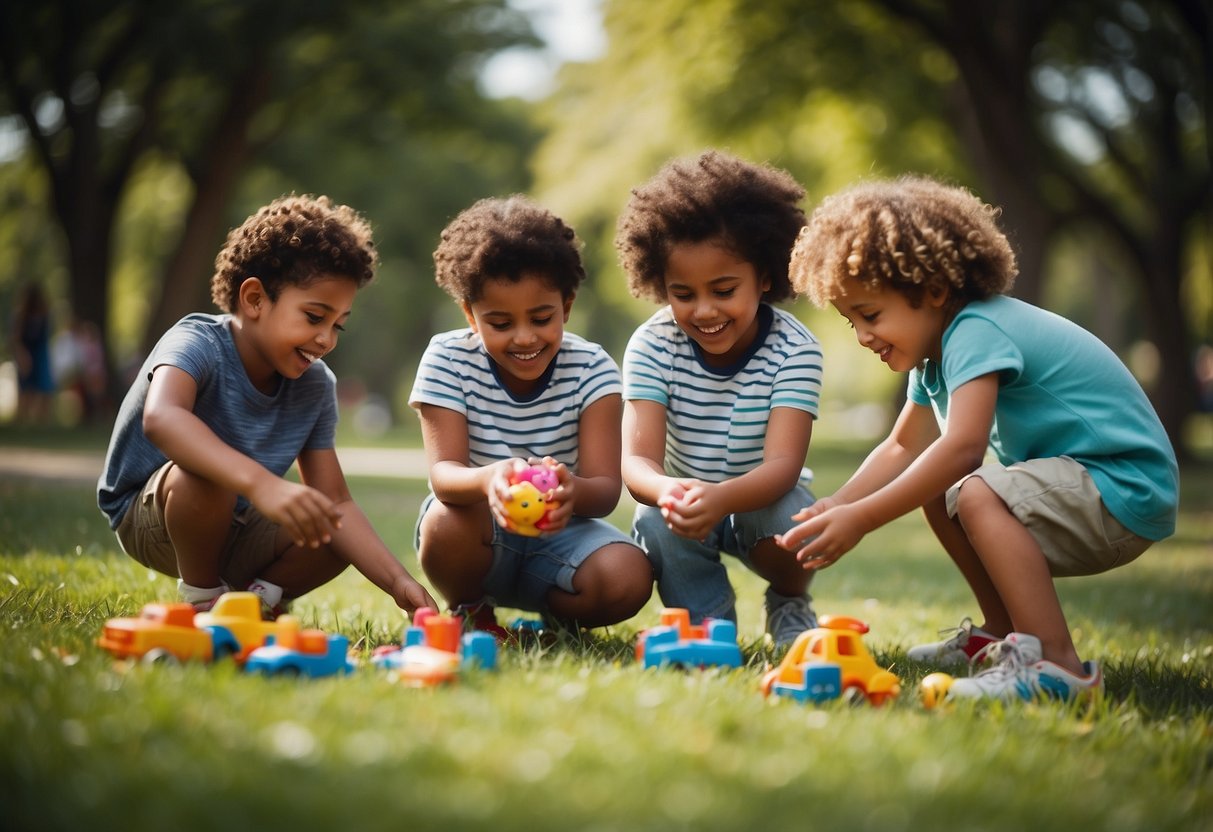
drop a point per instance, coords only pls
(525, 568)
(690, 573)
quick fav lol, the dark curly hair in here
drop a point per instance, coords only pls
(912, 234)
(506, 239)
(750, 209)
(291, 242)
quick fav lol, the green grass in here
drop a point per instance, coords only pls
(576, 736)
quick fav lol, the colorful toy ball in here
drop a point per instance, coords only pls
(935, 689)
(542, 478)
(530, 493)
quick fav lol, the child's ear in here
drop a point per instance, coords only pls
(252, 297)
(568, 306)
(467, 313)
(937, 296)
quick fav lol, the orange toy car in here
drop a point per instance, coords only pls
(837, 641)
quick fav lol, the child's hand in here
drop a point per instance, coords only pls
(498, 492)
(831, 532)
(562, 496)
(307, 515)
(811, 511)
(410, 595)
(689, 508)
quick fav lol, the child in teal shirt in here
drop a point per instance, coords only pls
(1085, 478)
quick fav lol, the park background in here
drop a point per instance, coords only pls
(134, 134)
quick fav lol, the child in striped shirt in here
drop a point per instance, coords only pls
(720, 387)
(510, 389)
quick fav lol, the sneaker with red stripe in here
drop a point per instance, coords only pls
(961, 645)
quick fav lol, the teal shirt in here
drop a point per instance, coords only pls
(1061, 392)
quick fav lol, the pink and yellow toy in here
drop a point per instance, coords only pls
(531, 499)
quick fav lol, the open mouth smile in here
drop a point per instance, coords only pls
(712, 330)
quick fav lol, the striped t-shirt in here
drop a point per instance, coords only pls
(716, 418)
(456, 373)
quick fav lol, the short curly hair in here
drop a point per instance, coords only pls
(506, 238)
(290, 242)
(752, 210)
(913, 234)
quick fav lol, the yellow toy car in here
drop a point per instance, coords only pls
(836, 642)
(238, 615)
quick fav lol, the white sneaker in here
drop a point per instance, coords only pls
(1019, 672)
(965, 642)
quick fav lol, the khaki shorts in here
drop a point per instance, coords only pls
(249, 549)
(1059, 504)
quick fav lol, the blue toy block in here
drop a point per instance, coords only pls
(819, 683)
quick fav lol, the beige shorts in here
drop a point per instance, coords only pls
(249, 549)
(1059, 504)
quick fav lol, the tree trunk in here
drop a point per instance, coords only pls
(185, 285)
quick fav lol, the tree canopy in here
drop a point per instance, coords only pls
(1076, 118)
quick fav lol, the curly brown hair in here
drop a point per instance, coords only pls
(506, 238)
(752, 210)
(913, 234)
(290, 242)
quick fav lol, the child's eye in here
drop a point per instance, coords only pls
(870, 317)
(498, 326)
(681, 297)
(541, 321)
(339, 327)
(313, 318)
(725, 293)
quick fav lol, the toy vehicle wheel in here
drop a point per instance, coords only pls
(854, 696)
(159, 656)
(288, 670)
(878, 699)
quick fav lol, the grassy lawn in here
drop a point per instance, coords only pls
(576, 736)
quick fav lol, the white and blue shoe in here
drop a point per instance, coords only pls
(1019, 672)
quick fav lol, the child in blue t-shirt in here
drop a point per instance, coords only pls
(1085, 478)
(194, 482)
(511, 388)
(721, 388)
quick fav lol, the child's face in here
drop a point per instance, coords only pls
(522, 327)
(885, 322)
(714, 297)
(285, 337)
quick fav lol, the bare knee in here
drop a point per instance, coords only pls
(617, 581)
(455, 547)
(194, 500)
(976, 500)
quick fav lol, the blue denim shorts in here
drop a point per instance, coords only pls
(525, 568)
(690, 573)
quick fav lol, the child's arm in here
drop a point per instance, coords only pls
(355, 540)
(867, 504)
(643, 461)
(308, 515)
(453, 478)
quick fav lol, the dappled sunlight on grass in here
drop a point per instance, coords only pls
(575, 734)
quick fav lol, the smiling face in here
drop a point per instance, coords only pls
(283, 338)
(522, 326)
(884, 321)
(714, 297)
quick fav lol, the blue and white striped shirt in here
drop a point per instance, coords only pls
(716, 418)
(456, 373)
